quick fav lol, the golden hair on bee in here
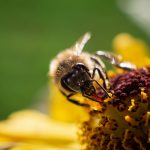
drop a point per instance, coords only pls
(65, 60)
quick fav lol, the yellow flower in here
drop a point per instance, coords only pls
(59, 105)
(131, 49)
(33, 130)
(124, 121)
(116, 126)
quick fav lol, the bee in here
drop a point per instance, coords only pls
(75, 71)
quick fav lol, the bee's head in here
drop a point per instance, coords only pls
(88, 88)
(76, 78)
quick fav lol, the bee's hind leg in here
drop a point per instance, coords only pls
(115, 60)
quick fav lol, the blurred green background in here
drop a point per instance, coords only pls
(32, 32)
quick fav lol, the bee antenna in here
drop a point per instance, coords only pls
(79, 45)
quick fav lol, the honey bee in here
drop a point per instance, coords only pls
(75, 71)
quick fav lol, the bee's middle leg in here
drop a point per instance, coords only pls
(101, 71)
(105, 82)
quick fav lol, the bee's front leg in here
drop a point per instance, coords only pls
(115, 60)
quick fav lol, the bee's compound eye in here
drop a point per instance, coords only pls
(76, 71)
(68, 80)
(78, 83)
(82, 81)
(73, 75)
(80, 66)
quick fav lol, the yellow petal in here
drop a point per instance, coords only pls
(63, 110)
(37, 146)
(30, 145)
(131, 49)
(34, 126)
(6, 142)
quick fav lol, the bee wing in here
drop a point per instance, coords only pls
(79, 45)
(116, 60)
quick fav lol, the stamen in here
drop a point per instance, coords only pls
(125, 121)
